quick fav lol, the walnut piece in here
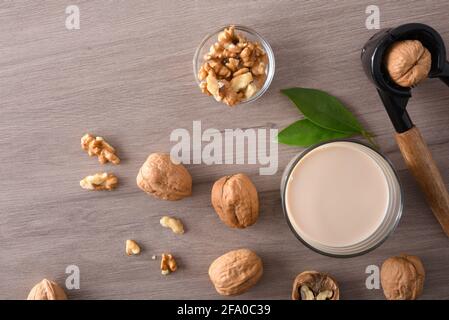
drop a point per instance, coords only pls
(241, 81)
(173, 223)
(236, 201)
(99, 147)
(251, 90)
(234, 69)
(408, 62)
(132, 248)
(160, 177)
(99, 182)
(47, 290)
(314, 285)
(168, 264)
(402, 277)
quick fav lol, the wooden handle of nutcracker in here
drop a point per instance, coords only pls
(420, 162)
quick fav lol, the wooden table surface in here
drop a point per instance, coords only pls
(127, 75)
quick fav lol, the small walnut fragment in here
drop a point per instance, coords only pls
(132, 248)
(162, 178)
(402, 277)
(97, 146)
(168, 264)
(408, 62)
(173, 223)
(234, 69)
(47, 290)
(99, 182)
(314, 285)
(241, 81)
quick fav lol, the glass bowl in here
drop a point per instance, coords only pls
(251, 35)
(383, 231)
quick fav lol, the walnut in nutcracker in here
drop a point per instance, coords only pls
(314, 285)
(402, 277)
(47, 290)
(235, 272)
(408, 62)
(236, 201)
(162, 178)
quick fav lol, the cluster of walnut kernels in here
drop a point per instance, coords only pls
(234, 69)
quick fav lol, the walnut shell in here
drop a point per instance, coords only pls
(47, 290)
(160, 177)
(402, 277)
(235, 200)
(408, 62)
(235, 272)
(314, 285)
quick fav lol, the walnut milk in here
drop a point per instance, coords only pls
(341, 198)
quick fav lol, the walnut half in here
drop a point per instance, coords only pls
(314, 285)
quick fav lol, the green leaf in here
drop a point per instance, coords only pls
(324, 110)
(305, 133)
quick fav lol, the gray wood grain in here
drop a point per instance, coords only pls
(127, 75)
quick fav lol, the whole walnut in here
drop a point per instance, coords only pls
(314, 285)
(235, 200)
(47, 290)
(408, 62)
(160, 177)
(402, 277)
(235, 272)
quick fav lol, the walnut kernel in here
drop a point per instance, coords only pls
(168, 264)
(173, 223)
(132, 248)
(99, 147)
(99, 181)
